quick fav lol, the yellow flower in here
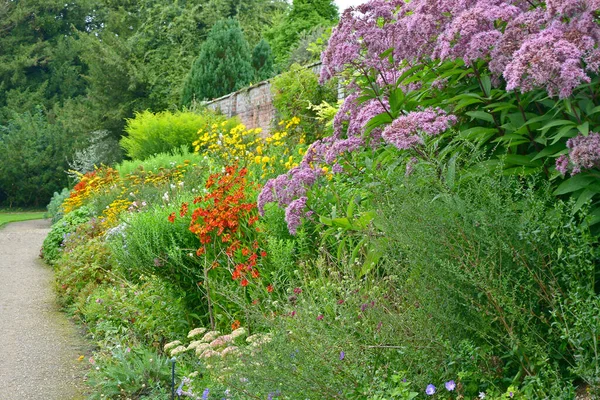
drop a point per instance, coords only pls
(265, 159)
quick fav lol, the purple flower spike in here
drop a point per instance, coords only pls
(450, 386)
(430, 390)
(342, 355)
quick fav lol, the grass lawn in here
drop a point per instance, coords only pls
(6, 217)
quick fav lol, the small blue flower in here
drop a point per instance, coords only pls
(342, 355)
(450, 385)
(430, 390)
(205, 394)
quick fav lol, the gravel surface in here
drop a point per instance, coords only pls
(39, 346)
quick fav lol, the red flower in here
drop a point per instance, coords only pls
(172, 217)
(255, 274)
(244, 282)
(201, 251)
(270, 288)
(263, 253)
(297, 290)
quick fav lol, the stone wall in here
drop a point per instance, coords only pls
(253, 105)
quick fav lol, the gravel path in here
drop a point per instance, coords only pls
(39, 346)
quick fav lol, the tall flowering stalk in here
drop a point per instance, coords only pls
(224, 222)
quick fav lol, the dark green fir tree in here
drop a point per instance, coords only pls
(262, 61)
(223, 65)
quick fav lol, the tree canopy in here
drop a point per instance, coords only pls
(87, 66)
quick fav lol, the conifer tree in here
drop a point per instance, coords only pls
(223, 65)
(262, 61)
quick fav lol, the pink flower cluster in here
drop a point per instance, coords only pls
(289, 190)
(406, 131)
(530, 46)
(584, 153)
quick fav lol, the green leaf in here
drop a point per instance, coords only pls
(478, 133)
(342, 223)
(466, 102)
(482, 115)
(374, 254)
(377, 121)
(574, 183)
(487, 85)
(594, 216)
(396, 99)
(566, 131)
(556, 122)
(583, 198)
(594, 110)
(364, 220)
(451, 172)
(350, 209)
(584, 128)
(549, 151)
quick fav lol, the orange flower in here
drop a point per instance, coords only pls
(255, 273)
(236, 324)
(172, 217)
(183, 210)
(244, 282)
(270, 288)
(201, 251)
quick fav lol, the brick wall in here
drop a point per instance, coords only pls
(253, 105)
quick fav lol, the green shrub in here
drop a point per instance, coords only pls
(148, 244)
(54, 207)
(79, 271)
(147, 313)
(51, 248)
(149, 134)
(131, 373)
(294, 91)
(161, 161)
(331, 337)
(498, 262)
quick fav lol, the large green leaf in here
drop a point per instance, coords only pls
(557, 122)
(574, 184)
(482, 115)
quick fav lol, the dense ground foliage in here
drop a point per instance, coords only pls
(435, 235)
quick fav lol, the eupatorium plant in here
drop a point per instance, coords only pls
(385, 48)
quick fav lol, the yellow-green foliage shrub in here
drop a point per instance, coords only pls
(149, 133)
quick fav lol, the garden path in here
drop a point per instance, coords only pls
(39, 346)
